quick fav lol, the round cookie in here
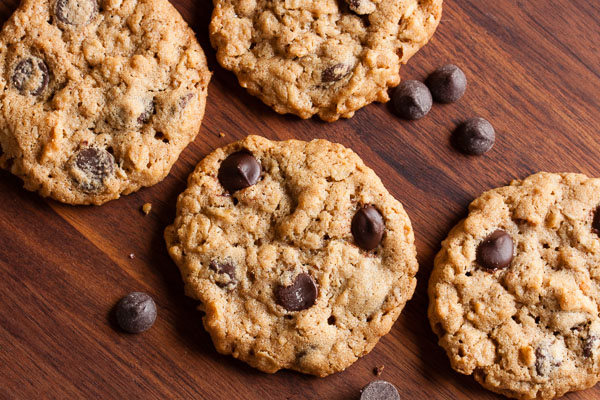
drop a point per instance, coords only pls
(266, 237)
(324, 57)
(515, 289)
(97, 98)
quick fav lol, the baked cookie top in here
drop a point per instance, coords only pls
(97, 98)
(515, 289)
(299, 255)
(325, 57)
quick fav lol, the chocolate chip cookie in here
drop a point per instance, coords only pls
(325, 57)
(515, 289)
(97, 98)
(299, 255)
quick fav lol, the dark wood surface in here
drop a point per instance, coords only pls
(534, 72)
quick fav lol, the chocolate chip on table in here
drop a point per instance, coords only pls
(94, 166)
(447, 84)
(379, 390)
(412, 100)
(334, 73)
(474, 136)
(136, 312)
(30, 76)
(495, 251)
(238, 171)
(300, 295)
(367, 227)
(75, 12)
(596, 221)
(225, 268)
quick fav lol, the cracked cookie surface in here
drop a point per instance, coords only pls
(97, 98)
(515, 289)
(273, 257)
(325, 57)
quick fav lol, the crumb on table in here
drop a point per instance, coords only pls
(146, 208)
(378, 370)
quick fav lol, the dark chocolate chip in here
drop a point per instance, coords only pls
(335, 72)
(447, 84)
(412, 100)
(588, 346)
(75, 12)
(300, 295)
(94, 166)
(495, 251)
(136, 312)
(145, 116)
(379, 390)
(238, 171)
(30, 76)
(474, 136)
(226, 268)
(596, 221)
(367, 227)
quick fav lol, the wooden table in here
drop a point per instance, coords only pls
(534, 72)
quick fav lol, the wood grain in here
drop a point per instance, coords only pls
(534, 72)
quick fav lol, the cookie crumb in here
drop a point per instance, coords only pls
(146, 208)
(377, 371)
(221, 134)
(132, 256)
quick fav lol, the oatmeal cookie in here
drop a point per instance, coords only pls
(299, 255)
(325, 57)
(97, 98)
(515, 289)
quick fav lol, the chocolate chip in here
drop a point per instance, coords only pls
(75, 12)
(92, 167)
(300, 295)
(541, 360)
(30, 76)
(184, 100)
(367, 227)
(474, 136)
(238, 171)
(145, 116)
(544, 361)
(226, 268)
(596, 221)
(136, 312)
(495, 251)
(412, 100)
(447, 84)
(334, 73)
(379, 390)
(588, 346)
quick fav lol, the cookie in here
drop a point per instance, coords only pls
(97, 98)
(515, 289)
(299, 255)
(325, 57)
